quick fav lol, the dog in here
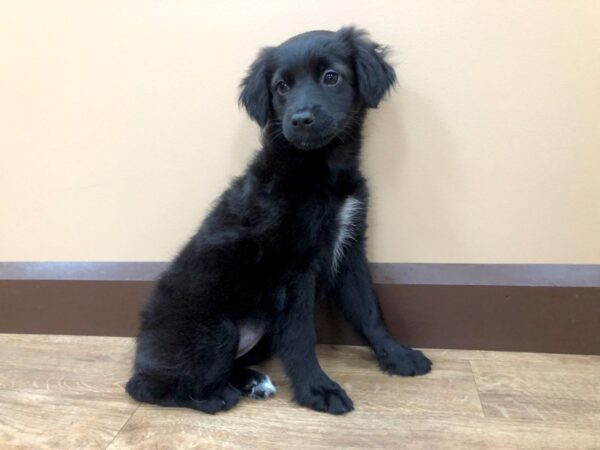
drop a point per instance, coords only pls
(288, 233)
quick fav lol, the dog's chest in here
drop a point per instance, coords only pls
(346, 229)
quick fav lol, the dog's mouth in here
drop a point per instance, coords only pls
(319, 135)
(313, 143)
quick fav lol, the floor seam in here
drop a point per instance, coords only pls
(477, 389)
(123, 426)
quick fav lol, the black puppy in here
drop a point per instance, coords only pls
(287, 233)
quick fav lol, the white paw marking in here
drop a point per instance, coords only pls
(264, 389)
(347, 229)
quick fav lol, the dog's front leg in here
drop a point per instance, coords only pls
(353, 292)
(294, 341)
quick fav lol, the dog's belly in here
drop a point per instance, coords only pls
(250, 333)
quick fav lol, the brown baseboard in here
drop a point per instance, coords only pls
(539, 308)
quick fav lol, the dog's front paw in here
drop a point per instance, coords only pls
(399, 360)
(324, 395)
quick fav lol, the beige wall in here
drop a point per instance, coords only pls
(119, 124)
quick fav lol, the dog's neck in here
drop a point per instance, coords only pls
(334, 168)
(282, 157)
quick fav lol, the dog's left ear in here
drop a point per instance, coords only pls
(375, 76)
(255, 95)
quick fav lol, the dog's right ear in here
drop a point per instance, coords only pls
(256, 95)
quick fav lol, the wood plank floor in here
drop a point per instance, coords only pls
(67, 392)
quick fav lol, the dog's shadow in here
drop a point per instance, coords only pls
(409, 156)
(411, 164)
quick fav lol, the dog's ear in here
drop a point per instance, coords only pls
(255, 95)
(375, 76)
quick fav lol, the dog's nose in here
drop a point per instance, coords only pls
(302, 119)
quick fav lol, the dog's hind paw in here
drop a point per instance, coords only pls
(220, 400)
(253, 384)
(263, 389)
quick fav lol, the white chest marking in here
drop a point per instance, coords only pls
(347, 222)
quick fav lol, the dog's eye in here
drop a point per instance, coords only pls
(331, 78)
(282, 88)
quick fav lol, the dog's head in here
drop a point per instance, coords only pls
(315, 85)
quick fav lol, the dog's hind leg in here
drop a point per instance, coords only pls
(199, 378)
(148, 390)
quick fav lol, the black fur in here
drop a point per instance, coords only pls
(265, 254)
